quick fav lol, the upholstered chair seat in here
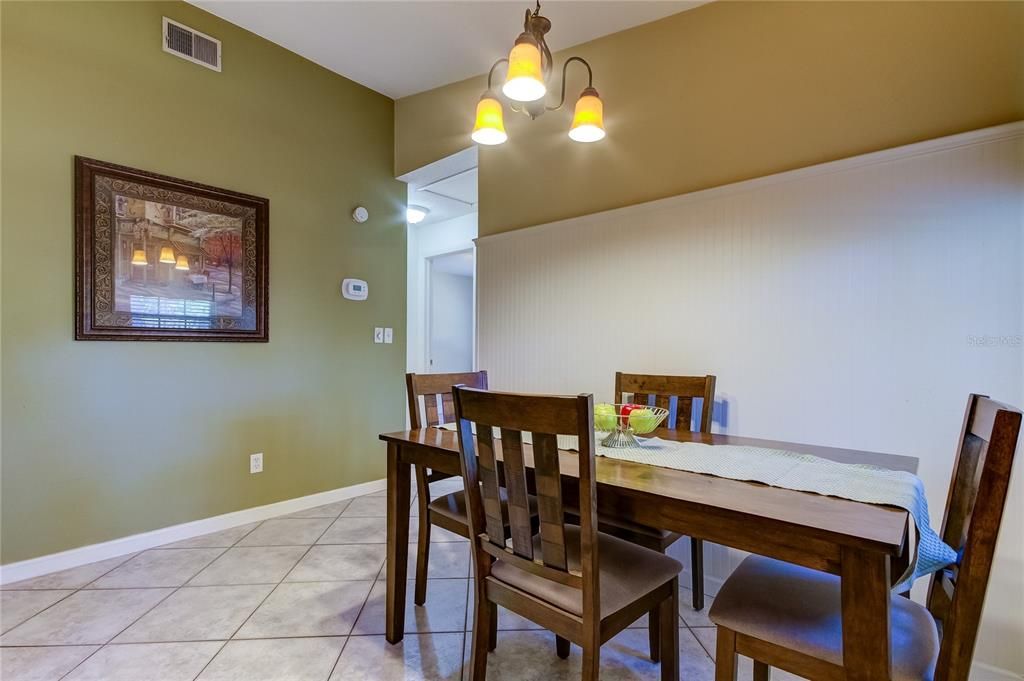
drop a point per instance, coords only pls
(627, 572)
(801, 610)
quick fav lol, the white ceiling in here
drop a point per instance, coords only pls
(461, 186)
(403, 47)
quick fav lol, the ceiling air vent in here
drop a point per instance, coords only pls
(192, 45)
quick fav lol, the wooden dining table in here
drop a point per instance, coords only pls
(865, 544)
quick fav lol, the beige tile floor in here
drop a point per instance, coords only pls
(296, 598)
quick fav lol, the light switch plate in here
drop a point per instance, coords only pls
(378, 334)
(389, 335)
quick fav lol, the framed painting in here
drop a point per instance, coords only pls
(158, 258)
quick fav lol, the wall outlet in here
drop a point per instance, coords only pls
(389, 335)
(378, 334)
(256, 463)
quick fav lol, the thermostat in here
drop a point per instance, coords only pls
(355, 289)
(360, 214)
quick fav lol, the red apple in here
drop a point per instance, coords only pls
(624, 412)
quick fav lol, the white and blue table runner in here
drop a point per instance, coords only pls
(800, 472)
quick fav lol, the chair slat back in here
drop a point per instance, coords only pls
(430, 388)
(663, 388)
(974, 511)
(490, 486)
(498, 468)
(549, 500)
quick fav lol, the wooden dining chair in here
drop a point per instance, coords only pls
(449, 510)
(789, 617)
(583, 585)
(668, 392)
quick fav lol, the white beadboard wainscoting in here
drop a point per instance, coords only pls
(853, 304)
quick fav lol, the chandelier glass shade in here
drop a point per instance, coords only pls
(588, 121)
(139, 257)
(527, 79)
(181, 263)
(490, 121)
(167, 255)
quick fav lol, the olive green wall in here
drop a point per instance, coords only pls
(105, 439)
(731, 91)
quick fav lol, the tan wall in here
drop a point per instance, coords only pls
(731, 91)
(106, 439)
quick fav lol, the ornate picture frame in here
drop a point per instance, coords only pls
(163, 259)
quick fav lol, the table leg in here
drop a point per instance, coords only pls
(398, 543)
(867, 640)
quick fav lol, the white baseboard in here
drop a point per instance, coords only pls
(711, 583)
(26, 569)
(985, 672)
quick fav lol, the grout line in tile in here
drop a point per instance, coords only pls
(354, 623)
(84, 588)
(59, 645)
(173, 591)
(351, 634)
(63, 598)
(175, 548)
(108, 588)
(104, 645)
(212, 658)
(279, 583)
(249, 616)
(465, 615)
(356, 620)
(190, 585)
(272, 546)
(329, 581)
(258, 526)
(381, 570)
(128, 557)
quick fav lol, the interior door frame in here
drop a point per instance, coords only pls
(428, 317)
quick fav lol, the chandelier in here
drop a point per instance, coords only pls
(526, 85)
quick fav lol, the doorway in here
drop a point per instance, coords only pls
(450, 321)
(442, 265)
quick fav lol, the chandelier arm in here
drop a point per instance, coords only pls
(546, 58)
(565, 67)
(490, 74)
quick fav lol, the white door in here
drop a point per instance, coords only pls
(450, 312)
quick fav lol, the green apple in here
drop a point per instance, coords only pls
(642, 420)
(605, 417)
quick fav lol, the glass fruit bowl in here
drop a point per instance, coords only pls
(622, 422)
